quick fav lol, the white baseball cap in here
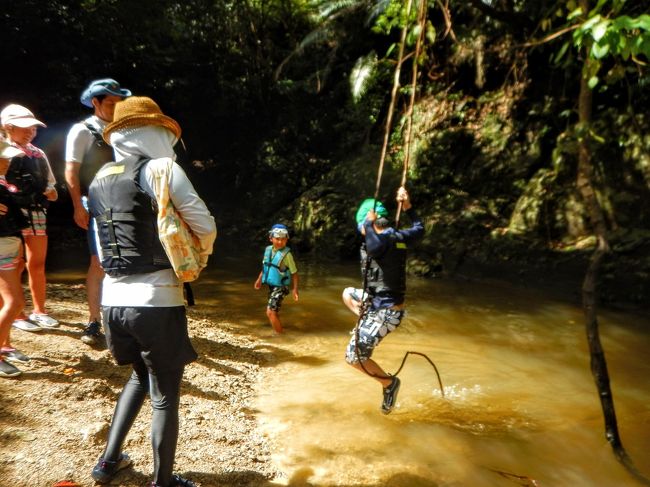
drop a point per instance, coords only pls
(18, 116)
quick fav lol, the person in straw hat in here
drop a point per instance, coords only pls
(86, 152)
(142, 298)
(32, 174)
(12, 221)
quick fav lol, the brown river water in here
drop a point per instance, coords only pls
(520, 406)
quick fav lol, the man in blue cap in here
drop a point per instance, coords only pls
(86, 152)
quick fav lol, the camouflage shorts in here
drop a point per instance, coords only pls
(374, 326)
(276, 295)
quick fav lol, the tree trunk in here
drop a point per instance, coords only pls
(585, 186)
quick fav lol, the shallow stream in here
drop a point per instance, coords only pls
(520, 406)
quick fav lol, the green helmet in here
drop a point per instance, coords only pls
(366, 206)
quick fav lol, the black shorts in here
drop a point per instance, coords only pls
(90, 236)
(156, 335)
(90, 232)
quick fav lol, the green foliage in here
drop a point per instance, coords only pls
(285, 101)
(619, 37)
(362, 74)
(393, 17)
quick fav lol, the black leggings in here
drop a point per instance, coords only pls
(164, 390)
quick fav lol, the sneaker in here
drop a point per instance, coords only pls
(104, 471)
(91, 335)
(8, 370)
(26, 325)
(390, 396)
(43, 320)
(13, 355)
(177, 480)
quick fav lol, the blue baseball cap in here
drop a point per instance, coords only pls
(105, 86)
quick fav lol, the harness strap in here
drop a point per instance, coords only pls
(107, 219)
(110, 216)
(98, 137)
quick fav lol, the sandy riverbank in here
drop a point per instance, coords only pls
(54, 418)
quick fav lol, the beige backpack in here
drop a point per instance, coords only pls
(181, 246)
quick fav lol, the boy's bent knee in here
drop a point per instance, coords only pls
(361, 353)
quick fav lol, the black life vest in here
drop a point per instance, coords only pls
(386, 273)
(13, 221)
(97, 155)
(126, 220)
(31, 176)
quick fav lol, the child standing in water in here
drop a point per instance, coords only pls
(278, 272)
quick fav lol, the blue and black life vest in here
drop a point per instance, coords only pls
(97, 155)
(387, 272)
(271, 273)
(126, 218)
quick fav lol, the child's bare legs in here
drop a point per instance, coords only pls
(11, 293)
(36, 250)
(352, 299)
(374, 370)
(274, 319)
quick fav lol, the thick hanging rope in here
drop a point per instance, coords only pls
(422, 18)
(393, 98)
(365, 302)
(363, 309)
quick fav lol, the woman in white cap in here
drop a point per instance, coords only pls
(32, 174)
(12, 221)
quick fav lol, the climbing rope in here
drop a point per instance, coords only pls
(365, 301)
(393, 98)
(422, 18)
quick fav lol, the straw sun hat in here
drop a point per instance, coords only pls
(138, 111)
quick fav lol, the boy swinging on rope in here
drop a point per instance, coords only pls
(384, 255)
